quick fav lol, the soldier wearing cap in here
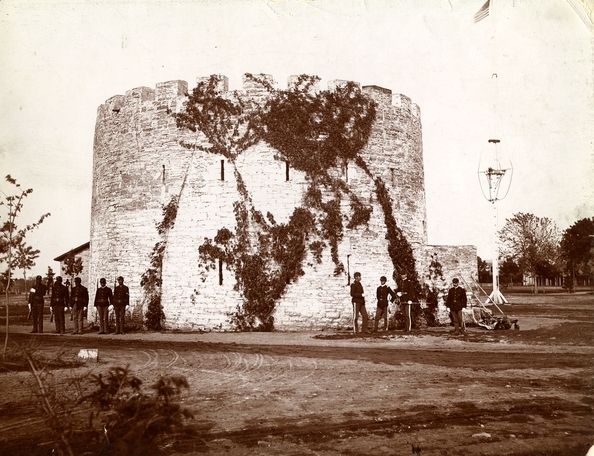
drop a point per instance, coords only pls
(382, 293)
(407, 297)
(456, 301)
(121, 299)
(79, 300)
(103, 299)
(59, 302)
(358, 299)
(36, 295)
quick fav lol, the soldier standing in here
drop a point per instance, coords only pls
(36, 304)
(79, 300)
(358, 299)
(121, 299)
(407, 296)
(382, 293)
(59, 302)
(456, 301)
(103, 299)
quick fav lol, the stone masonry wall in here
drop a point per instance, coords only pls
(139, 165)
(456, 261)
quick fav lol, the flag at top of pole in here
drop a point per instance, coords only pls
(483, 12)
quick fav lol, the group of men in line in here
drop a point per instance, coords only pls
(78, 301)
(455, 301)
(119, 298)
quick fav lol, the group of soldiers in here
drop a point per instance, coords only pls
(77, 300)
(455, 301)
(406, 295)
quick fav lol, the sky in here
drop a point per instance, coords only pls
(523, 75)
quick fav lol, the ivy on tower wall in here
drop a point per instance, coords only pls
(151, 280)
(314, 132)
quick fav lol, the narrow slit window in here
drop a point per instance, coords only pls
(222, 170)
(287, 171)
(220, 272)
(163, 174)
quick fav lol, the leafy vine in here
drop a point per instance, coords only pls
(399, 248)
(314, 132)
(435, 288)
(151, 280)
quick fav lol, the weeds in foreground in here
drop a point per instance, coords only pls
(125, 419)
(53, 406)
(133, 421)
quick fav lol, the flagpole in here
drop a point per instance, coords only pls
(495, 173)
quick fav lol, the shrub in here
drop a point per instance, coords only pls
(132, 420)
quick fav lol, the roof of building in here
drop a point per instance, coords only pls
(74, 251)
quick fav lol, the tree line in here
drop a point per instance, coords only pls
(533, 247)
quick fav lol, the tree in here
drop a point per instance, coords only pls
(509, 270)
(49, 277)
(24, 258)
(5, 282)
(531, 242)
(485, 274)
(577, 249)
(12, 236)
(72, 266)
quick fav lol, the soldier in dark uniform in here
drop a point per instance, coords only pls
(456, 301)
(358, 299)
(407, 296)
(59, 302)
(36, 304)
(383, 291)
(103, 299)
(121, 299)
(79, 301)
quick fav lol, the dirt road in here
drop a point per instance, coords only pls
(527, 392)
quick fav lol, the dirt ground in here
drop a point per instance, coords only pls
(526, 392)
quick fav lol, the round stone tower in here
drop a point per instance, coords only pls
(140, 164)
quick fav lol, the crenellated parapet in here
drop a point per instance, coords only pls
(166, 95)
(222, 82)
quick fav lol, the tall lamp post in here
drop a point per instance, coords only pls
(494, 177)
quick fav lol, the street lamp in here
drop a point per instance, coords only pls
(497, 187)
